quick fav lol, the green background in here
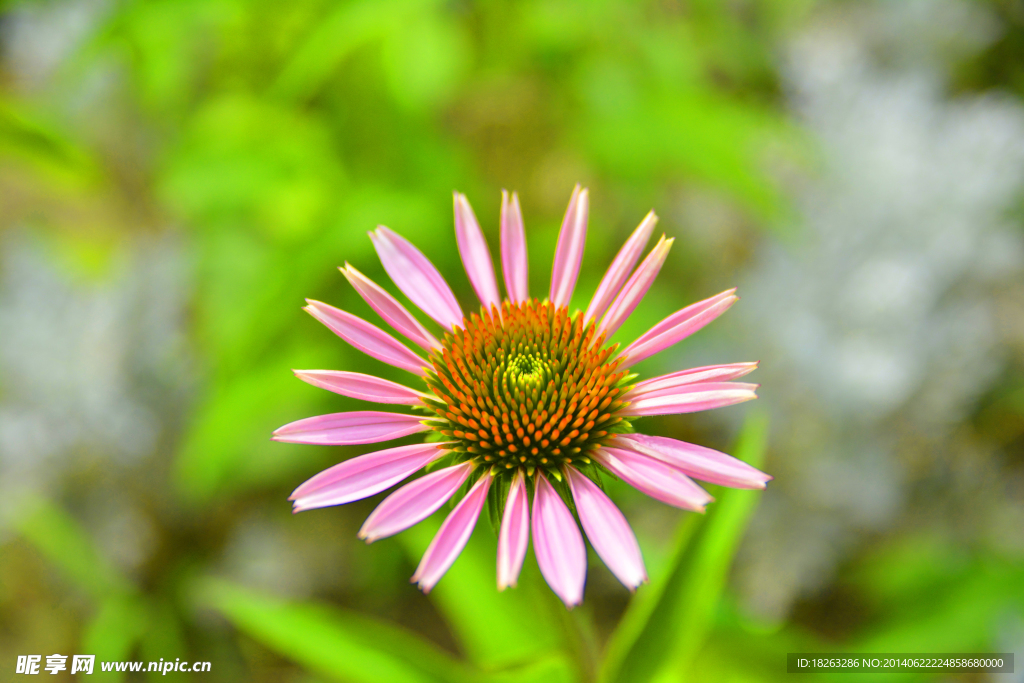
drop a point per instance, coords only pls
(199, 168)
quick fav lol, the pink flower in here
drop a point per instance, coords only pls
(521, 398)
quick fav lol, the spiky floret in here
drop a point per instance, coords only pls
(530, 388)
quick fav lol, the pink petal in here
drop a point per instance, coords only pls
(416, 277)
(678, 326)
(690, 398)
(569, 252)
(414, 502)
(364, 387)
(558, 544)
(363, 476)
(367, 338)
(620, 268)
(514, 535)
(476, 257)
(684, 313)
(708, 373)
(607, 530)
(635, 288)
(388, 308)
(696, 461)
(513, 249)
(452, 537)
(347, 429)
(653, 477)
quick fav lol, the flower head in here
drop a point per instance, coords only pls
(525, 403)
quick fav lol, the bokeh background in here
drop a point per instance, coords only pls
(176, 176)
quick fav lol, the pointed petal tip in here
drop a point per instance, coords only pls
(644, 579)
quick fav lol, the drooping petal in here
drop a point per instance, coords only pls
(569, 252)
(514, 263)
(678, 326)
(707, 373)
(620, 268)
(368, 338)
(416, 277)
(608, 530)
(690, 398)
(635, 288)
(653, 477)
(348, 429)
(363, 387)
(388, 308)
(363, 476)
(414, 502)
(696, 461)
(558, 544)
(452, 537)
(514, 535)
(476, 257)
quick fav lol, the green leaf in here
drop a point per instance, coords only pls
(495, 628)
(64, 543)
(116, 628)
(697, 132)
(113, 633)
(666, 622)
(228, 447)
(554, 668)
(337, 643)
(163, 639)
(268, 166)
(46, 150)
(424, 59)
(351, 26)
(963, 612)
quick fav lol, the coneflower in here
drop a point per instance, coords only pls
(525, 405)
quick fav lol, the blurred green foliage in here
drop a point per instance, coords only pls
(271, 137)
